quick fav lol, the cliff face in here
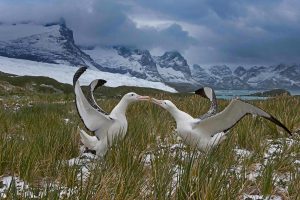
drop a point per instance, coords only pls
(44, 43)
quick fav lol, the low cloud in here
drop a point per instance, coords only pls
(220, 31)
(97, 23)
(249, 32)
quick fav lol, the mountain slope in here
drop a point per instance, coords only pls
(170, 68)
(122, 60)
(262, 77)
(52, 43)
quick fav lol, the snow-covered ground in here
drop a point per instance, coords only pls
(86, 163)
(64, 73)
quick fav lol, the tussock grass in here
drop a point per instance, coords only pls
(36, 143)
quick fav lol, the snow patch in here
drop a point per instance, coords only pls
(260, 197)
(64, 74)
(242, 152)
(23, 189)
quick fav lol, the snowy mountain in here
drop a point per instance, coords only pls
(173, 67)
(50, 43)
(123, 60)
(54, 43)
(256, 77)
(220, 77)
(170, 68)
(277, 76)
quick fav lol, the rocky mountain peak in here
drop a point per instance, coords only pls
(240, 71)
(174, 60)
(220, 70)
(279, 67)
(170, 55)
(142, 56)
(51, 43)
(291, 72)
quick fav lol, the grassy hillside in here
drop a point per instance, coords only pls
(40, 144)
(36, 84)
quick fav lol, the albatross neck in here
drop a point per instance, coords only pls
(179, 115)
(120, 108)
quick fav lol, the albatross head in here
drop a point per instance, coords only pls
(132, 97)
(166, 104)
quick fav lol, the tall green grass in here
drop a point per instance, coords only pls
(36, 142)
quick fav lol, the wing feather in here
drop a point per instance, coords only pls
(208, 93)
(234, 112)
(92, 119)
(90, 97)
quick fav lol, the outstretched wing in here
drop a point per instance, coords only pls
(208, 93)
(90, 96)
(92, 119)
(234, 112)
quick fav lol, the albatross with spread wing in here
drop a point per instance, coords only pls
(208, 132)
(106, 126)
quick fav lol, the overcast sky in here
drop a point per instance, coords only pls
(248, 32)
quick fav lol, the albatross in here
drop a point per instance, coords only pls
(207, 133)
(106, 127)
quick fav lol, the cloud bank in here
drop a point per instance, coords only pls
(206, 32)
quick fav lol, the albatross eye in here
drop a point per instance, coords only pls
(132, 94)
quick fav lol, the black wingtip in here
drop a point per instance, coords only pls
(276, 121)
(100, 83)
(96, 83)
(77, 74)
(201, 92)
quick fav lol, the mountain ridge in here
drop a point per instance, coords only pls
(54, 43)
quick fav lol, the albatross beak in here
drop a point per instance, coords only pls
(156, 101)
(143, 98)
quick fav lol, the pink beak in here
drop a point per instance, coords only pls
(143, 98)
(156, 101)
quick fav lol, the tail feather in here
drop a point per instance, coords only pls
(87, 140)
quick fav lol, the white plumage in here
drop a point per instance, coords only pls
(106, 127)
(209, 132)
